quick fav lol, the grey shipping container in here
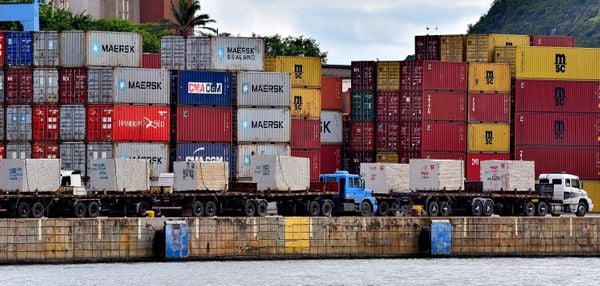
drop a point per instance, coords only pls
(1, 87)
(263, 125)
(72, 49)
(197, 53)
(263, 89)
(172, 52)
(145, 86)
(100, 48)
(100, 85)
(245, 153)
(45, 85)
(46, 49)
(72, 123)
(225, 53)
(18, 151)
(18, 123)
(331, 127)
(72, 156)
(156, 153)
(98, 151)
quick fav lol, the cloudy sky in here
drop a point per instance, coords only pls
(348, 29)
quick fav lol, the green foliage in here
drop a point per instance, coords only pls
(188, 17)
(293, 46)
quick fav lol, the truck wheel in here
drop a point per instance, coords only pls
(433, 209)
(23, 210)
(365, 209)
(93, 209)
(488, 208)
(444, 208)
(397, 209)
(37, 210)
(384, 209)
(261, 209)
(79, 210)
(142, 207)
(542, 209)
(476, 208)
(210, 208)
(327, 208)
(250, 208)
(197, 208)
(529, 209)
(314, 209)
(581, 209)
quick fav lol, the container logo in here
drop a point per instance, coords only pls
(220, 53)
(298, 71)
(146, 123)
(152, 159)
(265, 124)
(205, 88)
(325, 127)
(559, 129)
(123, 84)
(245, 88)
(272, 88)
(236, 53)
(196, 157)
(560, 61)
(489, 137)
(246, 161)
(297, 102)
(489, 77)
(559, 96)
(97, 48)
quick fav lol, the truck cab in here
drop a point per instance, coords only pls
(353, 196)
(567, 194)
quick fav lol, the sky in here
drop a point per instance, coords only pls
(348, 29)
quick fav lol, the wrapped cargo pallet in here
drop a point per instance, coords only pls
(41, 175)
(507, 175)
(197, 175)
(436, 175)
(280, 173)
(383, 178)
(129, 175)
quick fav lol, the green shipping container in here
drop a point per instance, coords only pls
(363, 105)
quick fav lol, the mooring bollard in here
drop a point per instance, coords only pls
(176, 240)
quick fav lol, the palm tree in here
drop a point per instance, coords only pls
(187, 17)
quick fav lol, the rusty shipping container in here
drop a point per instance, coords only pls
(141, 123)
(488, 107)
(488, 137)
(427, 47)
(364, 76)
(19, 86)
(452, 48)
(553, 41)
(263, 125)
(18, 123)
(433, 75)
(489, 77)
(331, 158)
(45, 150)
(150, 61)
(46, 49)
(172, 52)
(387, 136)
(432, 105)
(564, 129)
(331, 127)
(304, 71)
(580, 161)
(480, 48)
(388, 75)
(305, 134)
(472, 164)
(45, 123)
(432, 136)
(18, 151)
(362, 136)
(305, 103)
(331, 93)
(45, 85)
(141, 86)
(314, 156)
(203, 124)
(262, 89)
(225, 53)
(100, 48)
(388, 105)
(100, 83)
(557, 96)
(72, 85)
(245, 153)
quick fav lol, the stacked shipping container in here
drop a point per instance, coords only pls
(360, 132)
(387, 117)
(331, 124)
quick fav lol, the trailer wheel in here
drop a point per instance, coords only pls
(444, 208)
(261, 208)
(433, 209)
(79, 210)
(327, 208)
(384, 209)
(529, 209)
(488, 208)
(37, 210)
(23, 210)
(366, 209)
(476, 208)
(142, 208)
(314, 209)
(581, 209)
(249, 208)
(542, 209)
(93, 209)
(210, 208)
(197, 208)
(397, 209)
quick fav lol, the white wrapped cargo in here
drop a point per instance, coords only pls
(197, 175)
(280, 173)
(384, 178)
(507, 175)
(436, 175)
(131, 175)
(30, 175)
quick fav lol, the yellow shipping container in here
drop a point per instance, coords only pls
(452, 48)
(305, 103)
(487, 77)
(388, 75)
(506, 55)
(557, 63)
(387, 157)
(305, 71)
(480, 48)
(592, 187)
(488, 137)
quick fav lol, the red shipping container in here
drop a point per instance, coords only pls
(553, 41)
(99, 123)
(432, 136)
(72, 85)
(203, 124)
(472, 164)
(579, 161)
(427, 47)
(567, 129)
(45, 150)
(331, 158)
(362, 136)
(19, 86)
(45, 123)
(306, 133)
(315, 161)
(432, 105)
(433, 75)
(363, 75)
(404, 157)
(388, 105)
(141, 123)
(150, 61)
(489, 107)
(387, 136)
(2, 151)
(352, 161)
(2, 55)
(331, 93)
(557, 96)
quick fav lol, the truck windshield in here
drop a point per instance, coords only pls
(356, 182)
(575, 183)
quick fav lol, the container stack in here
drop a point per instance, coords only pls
(480, 48)
(361, 129)
(331, 124)
(387, 118)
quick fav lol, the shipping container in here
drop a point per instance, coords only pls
(388, 105)
(72, 123)
(346, 102)
(432, 75)
(557, 96)
(99, 122)
(72, 49)
(507, 55)
(245, 152)
(472, 164)
(488, 137)
(331, 127)
(225, 53)
(45, 85)
(18, 151)
(156, 153)
(19, 49)
(2, 124)
(204, 88)
(432, 136)
(432, 105)
(353, 159)
(305, 134)
(579, 161)
(427, 48)
(141, 86)
(489, 107)
(46, 49)
(45, 150)
(557, 63)
(592, 187)
(1, 86)
(452, 48)
(388, 75)
(203, 124)
(362, 136)
(100, 83)
(72, 156)
(553, 41)
(387, 157)
(405, 157)
(565, 129)
(140, 123)
(172, 52)
(45, 123)
(262, 89)
(100, 48)
(19, 86)
(95, 151)
(305, 103)
(18, 123)
(363, 76)
(263, 125)
(203, 152)
(304, 71)
(480, 48)
(315, 160)
(331, 158)
(2, 49)
(72, 85)
(331, 93)
(387, 136)
(489, 77)
(150, 61)
(363, 105)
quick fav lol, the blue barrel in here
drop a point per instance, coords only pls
(176, 240)
(441, 237)
(19, 48)
(207, 88)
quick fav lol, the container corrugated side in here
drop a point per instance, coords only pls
(237, 53)
(72, 85)
(592, 187)
(352, 160)
(72, 49)
(45, 150)
(45, 123)
(363, 105)
(205, 152)
(362, 136)
(197, 53)
(263, 125)
(557, 129)
(557, 96)
(387, 136)
(99, 123)
(73, 156)
(141, 86)
(100, 82)
(18, 151)
(331, 93)
(305, 103)
(388, 75)
(172, 52)
(583, 162)
(245, 152)
(113, 49)
(19, 86)
(452, 48)
(45, 85)
(331, 158)
(331, 127)
(488, 137)
(305, 133)
(434, 136)
(507, 55)
(1, 86)
(208, 124)
(19, 48)
(364, 75)
(150, 61)
(18, 123)
(432, 105)
(204, 88)
(489, 77)
(427, 47)
(314, 157)
(141, 123)
(304, 71)
(433, 75)
(2, 124)
(156, 153)
(557, 63)
(46, 49)
(2, 49)
(553, 41)
(72, 123)
(388, 105)
(263, 89)
(488, 107)
(480, 48)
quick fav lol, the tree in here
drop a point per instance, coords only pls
(187, 17)
(293, 46)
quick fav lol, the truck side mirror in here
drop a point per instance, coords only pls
(362, 183)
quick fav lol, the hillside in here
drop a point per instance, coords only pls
(579, 18)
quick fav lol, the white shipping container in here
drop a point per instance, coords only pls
(436, 175)
(45, 49)
(384, 178)
(119, 174)
(45, 85)
(331, 127)
(72, 49)
(197, 175)
(30, 175)
(280, 173)
(172, 52)
(507, 175)
(246, 152)
(145, 86)
(225, 53)
(263, 125)
(113, 49)
(156, 153)
(263, 89)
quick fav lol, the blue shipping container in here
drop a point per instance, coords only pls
(206, 152)
(204, 88)
(19, 48)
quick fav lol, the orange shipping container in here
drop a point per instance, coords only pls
(452, 48)
(304, 71)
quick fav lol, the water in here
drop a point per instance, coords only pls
(450, 271)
